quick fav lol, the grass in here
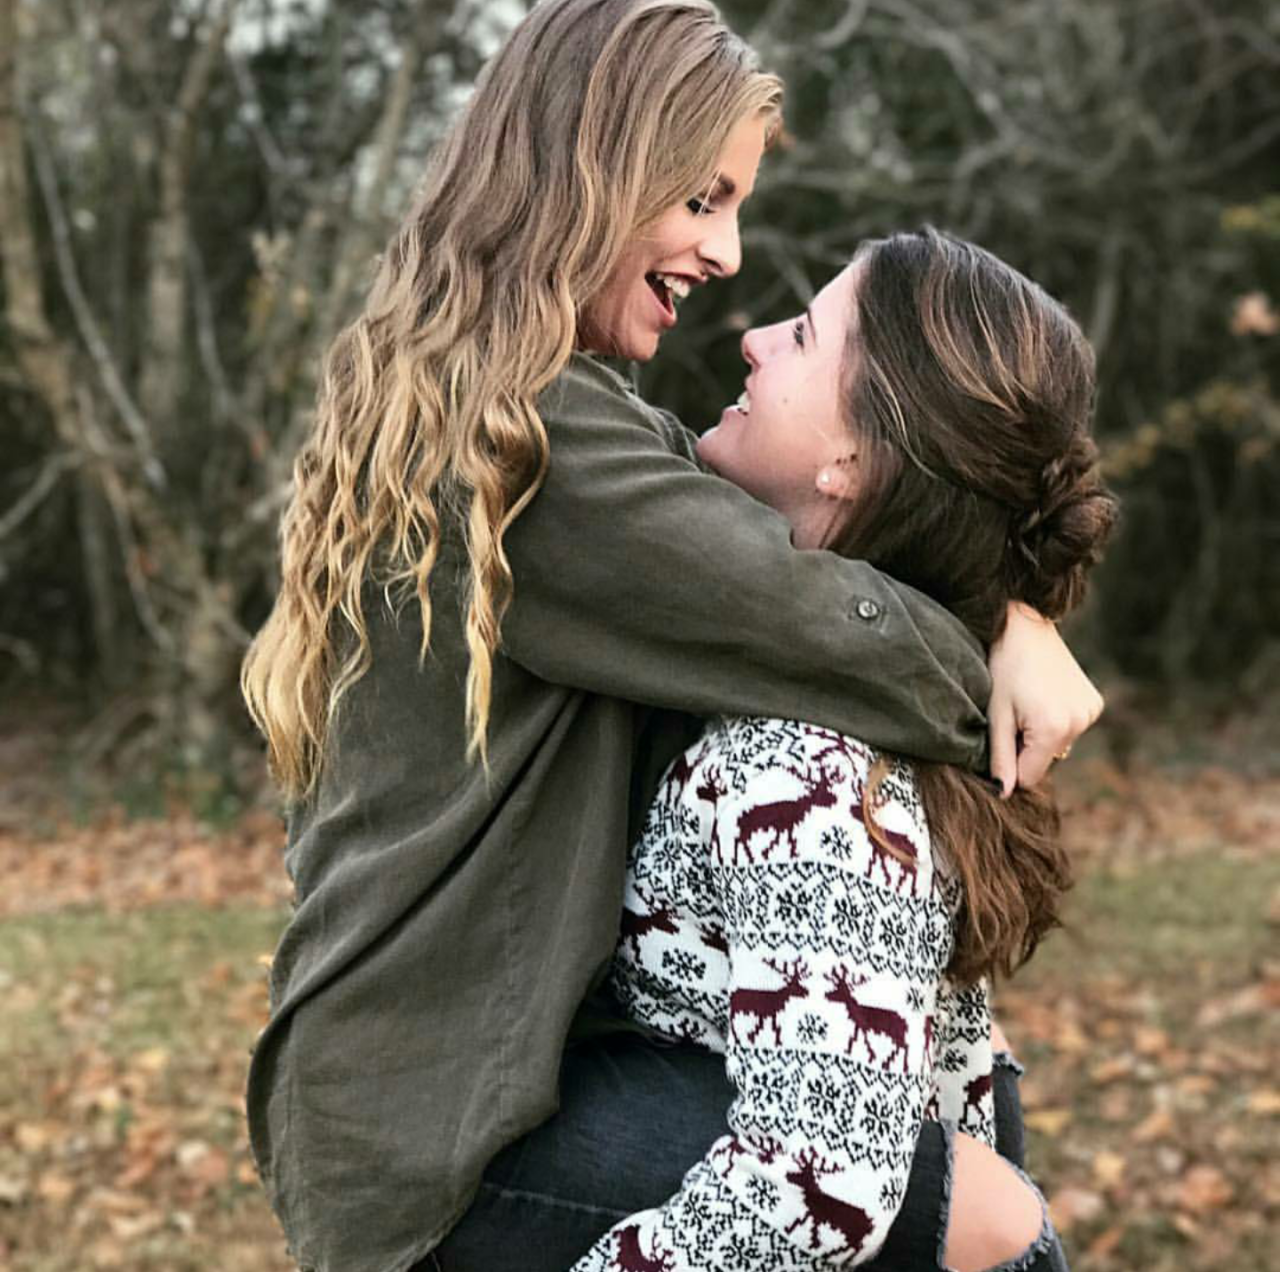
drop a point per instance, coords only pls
(1146, 1030)
(122, 1142)
(1149, 1032)
(1204, 916)
(129, 981)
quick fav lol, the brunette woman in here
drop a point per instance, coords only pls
(822, 912)
(503, 576)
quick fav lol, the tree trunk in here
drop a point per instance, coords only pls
(44, 359)
(163, 371)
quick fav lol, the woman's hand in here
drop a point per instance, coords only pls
(1041, 700)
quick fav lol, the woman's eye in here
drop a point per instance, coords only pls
(699, 207)
(797, 330)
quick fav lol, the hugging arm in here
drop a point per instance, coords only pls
(640, 576)
(1039, 695)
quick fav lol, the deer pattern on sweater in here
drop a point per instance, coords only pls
(763, 920)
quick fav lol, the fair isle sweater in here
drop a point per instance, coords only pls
(763, 921)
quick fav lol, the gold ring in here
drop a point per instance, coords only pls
(1063, 754)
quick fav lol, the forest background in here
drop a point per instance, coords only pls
(192, 195)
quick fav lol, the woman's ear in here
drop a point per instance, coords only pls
(838, 479)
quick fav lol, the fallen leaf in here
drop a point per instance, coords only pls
(1069, 1206)
(1151, 1042)
(114, 1201)
(1253, 1000)
(212, 1169)
(219, 974)
(1228, 1141)
(33, 1137)
(1264, 1103)
(1070, 1038)
(138, 1171)
(203, 1164)
(1116, 1104)
(1156, 1126)
(107, 1099)
(1108, 1169)
(106, 1253)
(189, 1152)
(1195, 1084)
(1204, 1188)
(131, 1227)
(1273, 908)
(1111, 1070)
(54, 1187)
(1050, 1122)
(1105, 1242)
(152, 1060)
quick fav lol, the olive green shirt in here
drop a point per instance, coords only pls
(449, 921)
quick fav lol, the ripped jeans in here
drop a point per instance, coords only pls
(634, 1116)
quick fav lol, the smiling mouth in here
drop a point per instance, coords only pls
(669, 289)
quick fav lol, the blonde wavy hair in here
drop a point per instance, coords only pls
(594, 118)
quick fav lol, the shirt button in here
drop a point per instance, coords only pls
(866, 609)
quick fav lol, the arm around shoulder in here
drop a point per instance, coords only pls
(639, 576)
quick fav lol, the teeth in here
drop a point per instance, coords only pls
(678, 287)
(744, 402)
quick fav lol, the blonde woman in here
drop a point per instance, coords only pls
(504, 583)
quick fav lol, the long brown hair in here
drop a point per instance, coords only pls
(970, 394)
(593, 119)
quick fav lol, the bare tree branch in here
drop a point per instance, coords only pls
(1106, 300)
(23, 652)
(50, 472)
(117, 497)
(845, 29)
(224, 399)
(255, 116)
(363, 235)
(90, 332)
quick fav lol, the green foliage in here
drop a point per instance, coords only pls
(1261, 218)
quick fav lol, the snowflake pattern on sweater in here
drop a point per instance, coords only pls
(763, 921)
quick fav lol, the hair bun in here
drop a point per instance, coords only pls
(1056, 543)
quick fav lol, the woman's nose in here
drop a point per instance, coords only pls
(721, 246)
(759, 344)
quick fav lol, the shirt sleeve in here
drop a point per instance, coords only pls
(831, 977)
(639, 576)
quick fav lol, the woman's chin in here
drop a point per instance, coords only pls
(712, 443)
(705, 447)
